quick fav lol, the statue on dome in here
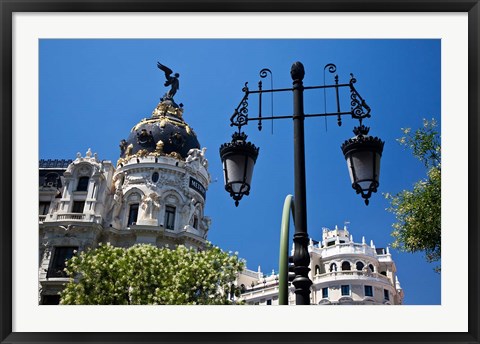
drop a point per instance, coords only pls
(171, 81)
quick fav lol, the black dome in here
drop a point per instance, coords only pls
(165, 125)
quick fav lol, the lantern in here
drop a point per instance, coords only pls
(238, 158)
(363, 154)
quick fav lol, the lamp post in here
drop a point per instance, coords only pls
(362, 154)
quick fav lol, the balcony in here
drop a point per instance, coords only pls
(349, 248)
(71, 217)
(351, 275)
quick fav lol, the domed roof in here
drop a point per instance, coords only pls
(165, 133)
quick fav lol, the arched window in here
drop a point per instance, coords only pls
(82, 184)
(170, 217)
(346, 266)
(370, 266)
(132, 214)
(384, 273)
(333, 267)
(317, 270)
(360, 266)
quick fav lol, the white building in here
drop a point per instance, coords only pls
(156, 194)
(343, 273)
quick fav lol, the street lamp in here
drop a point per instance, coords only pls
(238, 158)
(362, 154)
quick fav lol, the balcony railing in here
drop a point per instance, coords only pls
(347, 249)
(71, 217)
(352, 274)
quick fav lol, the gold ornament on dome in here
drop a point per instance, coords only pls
(159, 147)
(120, 161)
(128, 151)
(141, 153)
(175, 155)
(163, 109)
(162, 121)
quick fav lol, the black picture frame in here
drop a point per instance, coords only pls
(9, 7)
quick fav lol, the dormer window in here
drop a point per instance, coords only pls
(82, 184)
(346, 266)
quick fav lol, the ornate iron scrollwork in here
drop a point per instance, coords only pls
(360, 109)
(240, 116)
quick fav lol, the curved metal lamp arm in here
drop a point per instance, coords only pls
(288, 206)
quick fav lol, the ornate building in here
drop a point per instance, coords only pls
(156, 194)
(343, 273)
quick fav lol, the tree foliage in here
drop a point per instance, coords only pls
(418, 211)
(147, 275)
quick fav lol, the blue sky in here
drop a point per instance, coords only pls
(93, 91)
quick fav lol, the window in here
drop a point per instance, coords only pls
(331, 243)
(82, 184)
(43, 208)
(132, 214)
(317, 270)
(269, 302)
(78, 206)
(346, 266)
(170, 217)
(386, 294)
(368, 290)
(359, 266)
(370, 266)
(60, 256)
(333, 267)
(324, 293)
(195, 222)
(384, 273)
(345, 290)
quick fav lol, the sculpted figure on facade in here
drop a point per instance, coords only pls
(193, 154)
(188, 210)
(196, 154)
(116, 206)
(150, 205)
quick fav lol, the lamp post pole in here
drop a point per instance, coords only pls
(301, 258)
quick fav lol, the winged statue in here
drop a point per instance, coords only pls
(172, 80)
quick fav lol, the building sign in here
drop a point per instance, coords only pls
(198, 187)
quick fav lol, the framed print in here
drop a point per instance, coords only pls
(153, 80)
